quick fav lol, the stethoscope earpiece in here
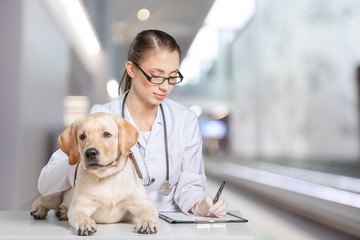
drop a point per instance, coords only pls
(149, 182)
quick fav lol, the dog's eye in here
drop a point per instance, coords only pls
(107, 134)
(82, 136)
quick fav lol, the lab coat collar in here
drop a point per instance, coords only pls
(158, 125)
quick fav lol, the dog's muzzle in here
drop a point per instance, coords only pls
(91, 156)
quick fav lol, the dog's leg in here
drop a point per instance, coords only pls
(79, 218)
(83, 224)
(42, 205)
(61, 213)
(147, 216)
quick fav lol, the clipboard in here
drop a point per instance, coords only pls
(179, 217)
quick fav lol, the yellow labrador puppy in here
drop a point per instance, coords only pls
(107, 187)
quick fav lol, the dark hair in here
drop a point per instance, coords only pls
(143, 43)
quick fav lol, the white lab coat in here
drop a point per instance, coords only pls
(186, 169)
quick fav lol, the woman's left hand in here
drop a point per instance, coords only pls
(219, 209)
(206, 208)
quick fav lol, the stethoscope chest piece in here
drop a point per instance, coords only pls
(165, 188)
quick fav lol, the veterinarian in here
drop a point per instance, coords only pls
(169, 149)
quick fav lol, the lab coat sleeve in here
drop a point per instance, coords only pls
(99, 108)
(192, 181)
(110, 107)
(57, 175)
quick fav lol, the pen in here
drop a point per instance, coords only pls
(219, 192)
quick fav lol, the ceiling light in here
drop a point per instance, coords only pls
(77, 15)
(230, 14)
(143, 14)
(112, 88)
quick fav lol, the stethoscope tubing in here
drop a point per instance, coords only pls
(150, 181)
(166, 143)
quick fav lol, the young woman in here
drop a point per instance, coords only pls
(169, 149)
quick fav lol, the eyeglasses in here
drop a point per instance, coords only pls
(159, 80)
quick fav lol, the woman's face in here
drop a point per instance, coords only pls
(156, 63)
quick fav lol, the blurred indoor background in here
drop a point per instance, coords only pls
(275, 85)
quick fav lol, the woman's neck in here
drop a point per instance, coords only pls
(143, 115)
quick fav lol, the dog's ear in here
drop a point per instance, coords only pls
(128, 135)
(67, 142)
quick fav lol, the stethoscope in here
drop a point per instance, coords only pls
(165, 187)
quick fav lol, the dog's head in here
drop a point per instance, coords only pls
(98, 140)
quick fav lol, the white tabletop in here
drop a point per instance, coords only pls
(20, 225)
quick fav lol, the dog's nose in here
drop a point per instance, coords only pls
(91, 154)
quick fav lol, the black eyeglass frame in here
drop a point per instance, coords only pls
(148, 77)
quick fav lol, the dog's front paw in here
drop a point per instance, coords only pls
(146, 227)
(39, 213)
(61, 213)
(86, 227)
